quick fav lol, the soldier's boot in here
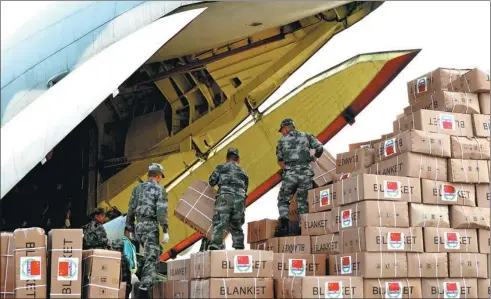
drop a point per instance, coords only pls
(143, 294)
(239, 247)
(282, 229)
(294, 230)
(213, 247)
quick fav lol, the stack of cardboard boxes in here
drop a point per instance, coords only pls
(34, 265)
(409, 212)
(178, 281)
(232, 274)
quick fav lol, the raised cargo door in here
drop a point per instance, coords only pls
(38, 128)
(322, 106)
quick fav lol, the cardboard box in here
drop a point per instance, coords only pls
(354, 160)
(344, 176)
(374, 213)
(316, 224)
(454, 124)
(232, 288)
(447, 101)
(376, 187)
(484, 243)
(369, 264)
(196, 207)
(324, 169)
(392, 288)
(178, 269)
(482, 195)
(101, 273)
(470, 148)
(158, 289)
(469, 217)
(468, 265)
(432, 81)
(320, 287)
(65, 248)
(328, 244)
(233, 263)
(468, 171)
(30, 263)
(428, 215)
(176, 289)
(382, 239)
(427, 265)
(414, 141)
(480, 123)
(269, 245)
(299, 244)
(7, 265)
(449, 288)
(261, 230)
(320, 199)
(299, 265)
(483, 289)
(445, 193)
(450, 240)
(367, 144)
(122, 291)
(475, 80)
(484, 102)
(413, 165)
(336, 220)
(387, 136)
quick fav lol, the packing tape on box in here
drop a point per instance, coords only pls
(260, 263)
(7, 293)
(201, 194)
(8, 256)
(103, 257)
(477, 266)
(102, 287)
(31, 286)
(196, 285)
(33, 248)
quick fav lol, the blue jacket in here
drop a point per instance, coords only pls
(130, 252)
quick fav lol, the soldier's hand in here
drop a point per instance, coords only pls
(67, 223)
(165, 239)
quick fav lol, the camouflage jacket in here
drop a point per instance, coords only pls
(148, 203)
(230, 178)
(95, 236)
(294, 149)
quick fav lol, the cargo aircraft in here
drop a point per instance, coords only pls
(93, 92)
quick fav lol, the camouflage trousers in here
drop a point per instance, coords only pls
(294, 180)
(147, 234)
(229, 213)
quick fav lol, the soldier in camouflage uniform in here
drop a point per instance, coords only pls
(148, 204)
(293, 154)
(95, 236)
(232, 183)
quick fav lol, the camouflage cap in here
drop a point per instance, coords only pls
(98, 211)
(286, 122)
(156, 167)
(233, 151)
